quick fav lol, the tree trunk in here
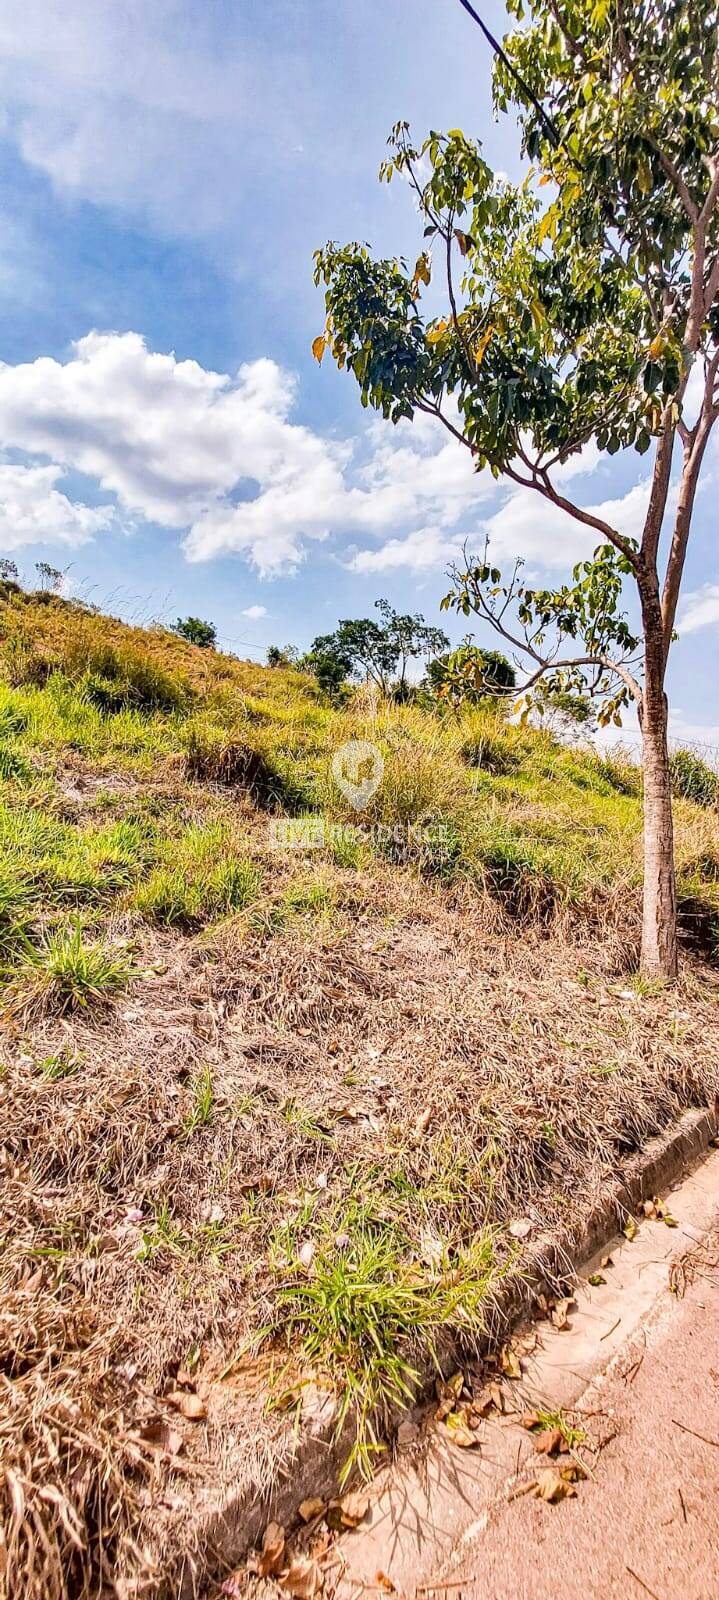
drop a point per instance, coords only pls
(659, 922)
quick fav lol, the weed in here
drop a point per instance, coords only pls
(60, 1065)
(162, 1234)
(693, 779)
(367, 1317)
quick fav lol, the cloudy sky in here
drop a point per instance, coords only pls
(166, 169)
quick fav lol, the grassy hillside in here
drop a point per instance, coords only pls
(269, 1114)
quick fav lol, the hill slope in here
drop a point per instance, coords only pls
(270, 1112)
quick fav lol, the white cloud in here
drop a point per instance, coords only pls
(255, 612)
(218, 458)
(421, 551)
(33, 511)
(700, 609)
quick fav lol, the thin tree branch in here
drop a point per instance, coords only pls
(498, 51)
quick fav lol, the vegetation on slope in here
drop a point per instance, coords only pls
(270, 1113)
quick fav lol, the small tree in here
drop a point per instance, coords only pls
(470, 675)
(195, 631)
(379, 651)
(569, 322)
(50, 579)
(8, 570)
(282, 655)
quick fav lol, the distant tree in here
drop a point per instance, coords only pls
(286, 655)
(8, 570)
(50, 578)
(380, 651)
(469, 675)
(196, 631)
(330, 662)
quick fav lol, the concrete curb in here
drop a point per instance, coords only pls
(225, 1535)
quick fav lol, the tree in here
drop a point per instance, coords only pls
(470, 675)
(195, 631)
(8, 570)
(50, 578)
(364, 648)
(577, 322)
(282, 655)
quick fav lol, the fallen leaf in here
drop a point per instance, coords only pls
(302, 1578)
(189, 1404)
(307, 1253)
(553, 1486)
(459, 1430)
(561, 1310)
(651, 1209)
(596, 1278)
(383, 1582)
(309, 1509)
(272, 1554)
(606, 1261)
(549, 1442)
(521, 1227)
(529, 1419)
(510, 1363)
(160, 1436)
(490, 1398)
(630, 1229)
(353, 1508)
(669, 1221)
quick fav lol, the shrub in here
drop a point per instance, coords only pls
(693, 779)
(196, 631)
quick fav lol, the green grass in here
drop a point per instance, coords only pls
(464, 796)
(66, 973)
(203, 1102)
(366, 1315)
(202, 877)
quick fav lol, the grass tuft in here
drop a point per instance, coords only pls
(65, 974)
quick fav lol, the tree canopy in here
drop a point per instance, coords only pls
(381, 651)
(196, 631)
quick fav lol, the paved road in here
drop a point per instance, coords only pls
(649, 1522)
(639, 1364)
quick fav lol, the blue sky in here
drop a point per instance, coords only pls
(166, 170)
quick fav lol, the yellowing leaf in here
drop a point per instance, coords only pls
(434, 335)
(319, 345)
(545, 178)
(630, 1229)
(510, 1363)
(481, 347)
(552, 1486)
(457, 1425)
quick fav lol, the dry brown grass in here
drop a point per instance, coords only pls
(487, 1078)
(360, 1051)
